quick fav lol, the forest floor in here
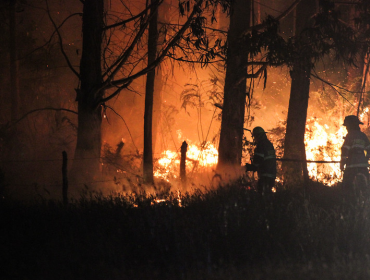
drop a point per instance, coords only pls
(227, 233)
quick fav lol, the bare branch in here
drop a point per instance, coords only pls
(123, 59)
(60, 41)
(254, 75)
(164, 52)
(38, 110)
(195, 61)
(129, 132)
(52, 35)
(130, 19)
(334, 87)
(116, 92)
(280, 17)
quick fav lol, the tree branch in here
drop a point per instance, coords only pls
(164, 52)
(254, 75)
(280, 17)
(116, 92)
(119, 63)
(61, 41)
(130, 19)
(333, 86)
(55, 31)
(37, 110)
(129, 132)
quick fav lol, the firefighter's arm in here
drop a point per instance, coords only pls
(256, 161)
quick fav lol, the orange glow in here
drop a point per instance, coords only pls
(322, 145)
(321, 141)
(200, 158)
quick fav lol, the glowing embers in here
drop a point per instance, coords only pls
(198, 158)
(323, 145)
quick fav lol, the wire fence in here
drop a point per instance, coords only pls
(101, 159)
(42, 172)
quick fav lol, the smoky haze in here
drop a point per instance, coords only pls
(31, 149)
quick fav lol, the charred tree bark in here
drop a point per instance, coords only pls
(14, 79)
(294, 147)
(88, 96)
(230, 146)
(149, 93)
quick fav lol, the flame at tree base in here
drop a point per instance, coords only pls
(198, 160)
(321, 143)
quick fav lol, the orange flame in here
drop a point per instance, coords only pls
(203, 157)
(322, 145)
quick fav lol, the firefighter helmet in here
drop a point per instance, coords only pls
(351, 120)
(258, 131)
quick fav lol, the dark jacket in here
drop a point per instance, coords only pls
(264, 159)
(353, 149)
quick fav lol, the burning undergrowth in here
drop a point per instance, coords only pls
(125, 169)
(199, 159)
(323, 143)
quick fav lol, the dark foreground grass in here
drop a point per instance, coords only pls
(228, 233)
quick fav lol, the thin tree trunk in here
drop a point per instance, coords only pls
(14, 79)
(149, 93)
(230, 146)
(87, 155)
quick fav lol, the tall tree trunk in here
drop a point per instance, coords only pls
(354, 82)
(157, 106)
(355, 74)
(160, 80)
(14, 84)
(230, 146)
(88, 147)
(295, 173)
(149, 92)
(294, 147)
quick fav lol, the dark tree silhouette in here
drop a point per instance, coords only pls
(294, 147)
(230, 147)
(149, 97)
(98, 86)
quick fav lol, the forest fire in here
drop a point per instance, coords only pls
(199, 158)
(324, 146)
(321, 145)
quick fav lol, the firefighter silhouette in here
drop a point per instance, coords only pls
(355, 154)
(263, 161)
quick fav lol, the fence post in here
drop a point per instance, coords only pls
(65, 178)
(184, 148)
